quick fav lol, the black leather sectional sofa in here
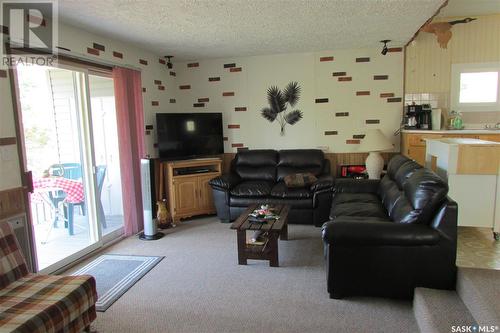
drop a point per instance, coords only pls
(387, 237)
(256, 176)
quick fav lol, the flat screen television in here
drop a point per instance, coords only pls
(189, 135)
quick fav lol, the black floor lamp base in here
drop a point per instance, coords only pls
(156, 236)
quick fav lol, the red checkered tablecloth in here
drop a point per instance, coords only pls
(72, 188)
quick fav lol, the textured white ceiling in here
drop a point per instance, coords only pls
(470, 8)
(198, 29)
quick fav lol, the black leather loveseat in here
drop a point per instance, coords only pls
(387, 237)
(257, 177)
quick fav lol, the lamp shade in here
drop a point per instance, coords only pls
(375, 140)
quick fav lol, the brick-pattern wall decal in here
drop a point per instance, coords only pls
(230, 65)
(92, 51)
(99, 47)
(235, 69)
(199, 105)
(341, 114)
(161, 87)
(228, 93)
(63, 48)
(225, 138)
(185, 87)
(240, 108)
(155, 103)
(149, 127)
(172, 100)
(372, 121)
(172, 74)
(395, 49)
(363, 59)
(203, 100)
(242, 149)
(237, 145)
(352, 142)
(157, 81)
(345, 79)
(143, 62)
(358, 136)
(162, 61)
(331, 132)
(362, 93)
(339, 74)
(5, 30)
(322, 59)
(321, 100)
(193, 64)
(394, 100)
(214, 79)
(385, 95)
(117, 54)
(233, 126)
(143, 89)
(3, 73)
(381, 77)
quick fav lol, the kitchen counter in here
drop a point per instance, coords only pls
(462, 131)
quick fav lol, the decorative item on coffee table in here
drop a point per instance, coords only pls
(272, 224)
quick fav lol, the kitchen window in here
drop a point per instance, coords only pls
(475, 87)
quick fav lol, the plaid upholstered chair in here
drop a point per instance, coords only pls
(32, 303)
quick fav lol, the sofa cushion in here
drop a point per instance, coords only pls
(305, 203)
(423, 193)
(360, 198)
(48, 303)
(252, 188)
(300, 161)
(391, 185)
(281, 190)
(372, 209)
(258, 164)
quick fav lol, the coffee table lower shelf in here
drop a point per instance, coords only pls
(274, 230)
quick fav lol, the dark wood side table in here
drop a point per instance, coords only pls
(273, 229)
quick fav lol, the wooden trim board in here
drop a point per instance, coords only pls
(12, 202)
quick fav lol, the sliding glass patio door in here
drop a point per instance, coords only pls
(67, 116)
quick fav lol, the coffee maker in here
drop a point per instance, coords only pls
(411, 114)
(425, 118)
(418, 117)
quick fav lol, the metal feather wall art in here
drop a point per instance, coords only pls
(442, 30)
(279, 102)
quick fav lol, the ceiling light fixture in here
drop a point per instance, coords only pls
(385, 49)
(169, 63)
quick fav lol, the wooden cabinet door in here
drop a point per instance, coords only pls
(186, 195)
(490, 137)
(206, 200)
(417, 153)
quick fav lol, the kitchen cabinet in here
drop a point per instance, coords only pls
(413, 143)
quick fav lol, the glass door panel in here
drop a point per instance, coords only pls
(106, 154)
(54, 142)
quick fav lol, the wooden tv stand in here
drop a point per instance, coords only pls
(187, 188)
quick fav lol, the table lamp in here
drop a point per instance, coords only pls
(374, 142)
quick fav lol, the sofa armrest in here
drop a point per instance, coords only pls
(225, 182)
(377, 233)
(324, 182)
(349, 185)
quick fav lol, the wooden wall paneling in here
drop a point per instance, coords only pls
(12, 202)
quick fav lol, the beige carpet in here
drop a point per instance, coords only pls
(199, 287)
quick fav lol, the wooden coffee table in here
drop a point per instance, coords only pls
(273, 229)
